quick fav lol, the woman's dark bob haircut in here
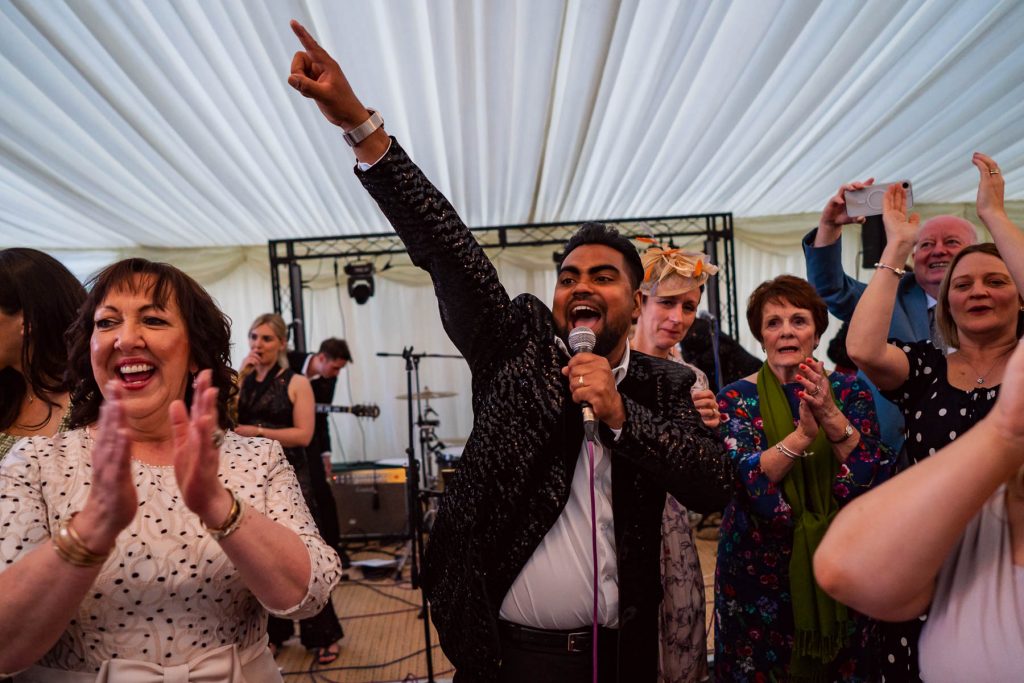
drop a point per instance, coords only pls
(208, 329)
(786, 289)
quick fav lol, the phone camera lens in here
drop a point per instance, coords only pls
(906, 185)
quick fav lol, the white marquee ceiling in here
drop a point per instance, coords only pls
(169, 123)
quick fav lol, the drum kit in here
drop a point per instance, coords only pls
(444, 453)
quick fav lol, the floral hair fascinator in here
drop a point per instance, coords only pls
(668, 272)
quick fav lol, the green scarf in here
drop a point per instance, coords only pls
(822, 626)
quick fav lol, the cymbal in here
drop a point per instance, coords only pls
(427, 395)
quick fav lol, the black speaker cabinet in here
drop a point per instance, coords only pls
(370, 508)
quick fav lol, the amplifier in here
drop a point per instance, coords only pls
(369, 508)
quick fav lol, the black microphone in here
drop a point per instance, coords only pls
(583, 340)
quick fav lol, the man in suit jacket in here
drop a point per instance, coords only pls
(322, 369)
(510, 569)
(939, 239)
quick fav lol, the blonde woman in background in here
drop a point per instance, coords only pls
(277, 403)
(673, 283)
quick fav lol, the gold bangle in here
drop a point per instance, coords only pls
(70, 547)
(231, 522)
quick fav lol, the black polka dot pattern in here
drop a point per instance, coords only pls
(167, 593)
(935, 411)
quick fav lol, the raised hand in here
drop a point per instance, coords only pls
(316, 75)
(898, 226)
(834, 215)
(196, 457)
(990, 203)
(113, 501)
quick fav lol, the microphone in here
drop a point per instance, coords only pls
(583, 340)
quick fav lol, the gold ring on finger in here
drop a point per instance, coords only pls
(579, 380)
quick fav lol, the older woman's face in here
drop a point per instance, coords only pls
(982, 296)
(789, 337)
(142, 347)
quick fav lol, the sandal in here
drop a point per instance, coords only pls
(327, 655)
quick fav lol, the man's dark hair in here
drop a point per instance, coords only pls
(335, 349)
(599, 233)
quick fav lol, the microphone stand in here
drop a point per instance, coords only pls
(414, 495)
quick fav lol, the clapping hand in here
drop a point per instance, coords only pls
(112, 501)
(898, 227)
(197, 456)
(815, 393)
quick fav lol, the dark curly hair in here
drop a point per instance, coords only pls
(47, 296)
(208, 329)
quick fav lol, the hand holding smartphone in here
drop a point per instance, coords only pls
(868, 201)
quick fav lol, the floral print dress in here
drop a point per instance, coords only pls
(753, 605)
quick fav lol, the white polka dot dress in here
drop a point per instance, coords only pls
(167, 593)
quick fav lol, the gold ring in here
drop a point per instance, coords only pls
(817, 388)
(579, 380)
(994, 171)
(217, 437)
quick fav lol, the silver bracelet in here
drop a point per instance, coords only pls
(792, 455)
(363, 130)
(899, 271)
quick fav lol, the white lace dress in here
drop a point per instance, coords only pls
(168, 593)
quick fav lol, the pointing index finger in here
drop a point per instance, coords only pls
(307, 40)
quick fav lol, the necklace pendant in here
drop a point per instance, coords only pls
(981, 380)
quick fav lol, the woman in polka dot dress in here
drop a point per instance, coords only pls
(146, 544)
(978, 315)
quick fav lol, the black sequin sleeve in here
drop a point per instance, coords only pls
(666, 438)
(475, 308)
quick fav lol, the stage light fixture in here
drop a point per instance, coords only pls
(360, 281)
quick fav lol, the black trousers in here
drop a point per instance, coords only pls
(320, 630)
(325, 510)
(527, 662)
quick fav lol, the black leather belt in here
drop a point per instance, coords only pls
(578, 641)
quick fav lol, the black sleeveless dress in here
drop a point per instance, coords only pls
(266, 403)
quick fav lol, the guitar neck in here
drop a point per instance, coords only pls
(328, 408)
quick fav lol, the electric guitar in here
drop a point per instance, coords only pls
(369, 410)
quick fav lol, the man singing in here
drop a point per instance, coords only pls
(510, 570)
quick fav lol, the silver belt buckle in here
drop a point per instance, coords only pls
(571, 642)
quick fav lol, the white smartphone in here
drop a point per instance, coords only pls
(867, 201)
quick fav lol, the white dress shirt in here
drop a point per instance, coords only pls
(555, 589)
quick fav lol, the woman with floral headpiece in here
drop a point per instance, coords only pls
(673, 283)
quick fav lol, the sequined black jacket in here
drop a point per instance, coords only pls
(516, 470)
